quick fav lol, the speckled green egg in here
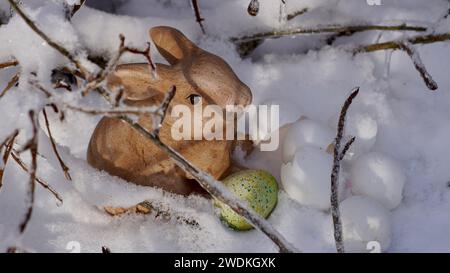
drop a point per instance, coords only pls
(258, 188)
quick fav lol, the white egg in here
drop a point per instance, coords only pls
(380, 177)
(306, 132)
(307, 179)
(365, 224)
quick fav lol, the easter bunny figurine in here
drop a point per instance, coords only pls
(198, 76)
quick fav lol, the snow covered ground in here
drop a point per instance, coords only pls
(302, 74)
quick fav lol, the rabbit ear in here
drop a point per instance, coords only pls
(172, 44)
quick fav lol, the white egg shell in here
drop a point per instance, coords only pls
(307, 179)
(380, 177)
(306, 132)
(365, 224)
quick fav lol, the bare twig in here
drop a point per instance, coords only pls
(9, 147)
(418, 64)
(198, 16)
(39, 87)
(33, 147)
(112, 64)
(326, 29)
(297, 13)
(9, 142)
(338, 156)
(77, 7)
(40, 181)
(347, 147)
(14, 80)
(396, 44)
(9, 64)
(406, 45)
(162, 111)
(117, 112)
(61, 49)
(8, 138)
(158, 211)
(64, 167)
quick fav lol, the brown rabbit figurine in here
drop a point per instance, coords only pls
(198, 75)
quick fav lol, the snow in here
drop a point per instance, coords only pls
(363, 221)
(394, 115)
(306, 178)
(380, 177)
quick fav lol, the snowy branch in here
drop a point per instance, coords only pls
(326, 29)
(297, 13)
(61, 49)
(418, 64)
(396, 44)
(406, 45)
(112, 64)
(338, 156)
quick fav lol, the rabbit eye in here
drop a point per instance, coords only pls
(194, 99)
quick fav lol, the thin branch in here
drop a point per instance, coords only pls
(39, 87)
(406, 45)
(162, 110)
(64, 167)
(338, 155)
(420, 67)
(40, 181)
(9, 142)
(112, 64)
(61, 49)
(77, 7)
(396, 44)
(297, 13)
(326, 29)
(7, 139)
(198, 16)
(159, 212)
(117, 112)
(14, 80)
(32, 185)
(9, 64)
(347, 147)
